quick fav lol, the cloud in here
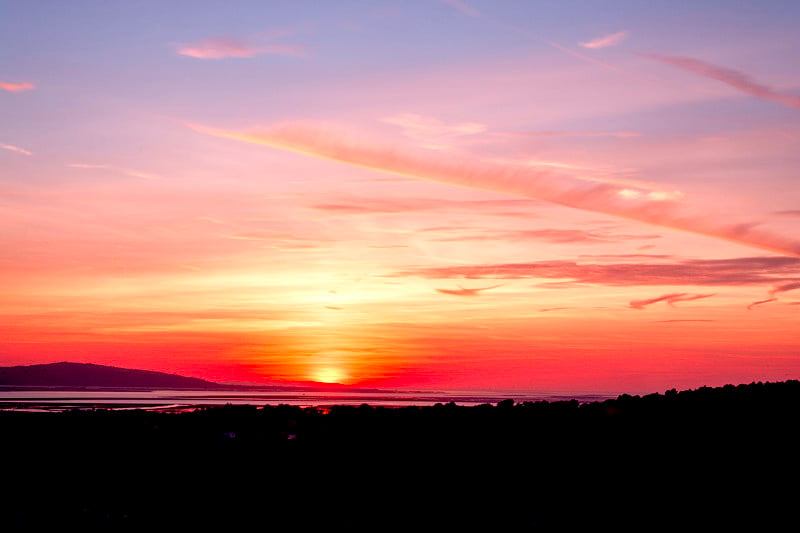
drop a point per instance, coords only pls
(472, 12)
(624, 256)
(85, 165)
(684, 320)
(225, 47)
(785, 287)
(556, 236)
(15, 149)
(789, 213)
(546, 185)
(735, 79)
(706, 272)
(606, 40)
(133, 173)
(463, 7)
(359, 206)
(430, 132)
(461, 291)
(671, 299)
(139, 174)
(17, 87)
(557, 133)
(760, 302)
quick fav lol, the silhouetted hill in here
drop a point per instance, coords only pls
(66, 375)
(82, 375)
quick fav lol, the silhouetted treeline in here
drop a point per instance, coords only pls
(710, 457)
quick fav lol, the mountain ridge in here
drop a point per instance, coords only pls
(67, 375)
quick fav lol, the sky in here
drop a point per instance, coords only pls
(426, 194)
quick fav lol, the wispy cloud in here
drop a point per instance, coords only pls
(86, 165)
(617, 257)
(761, 302)
(556, 236)
(127, 171)
(472, 12)
(430, 132)
(685, 320)
(225, 47)
(735, 79)
(671, 299)
(16, 87)
(562, 189)
(139, 174)
(556, 133)
(361, 205)
(461, 291)
(606, 40)
(785, 287)
(707, 272)
(17, 149)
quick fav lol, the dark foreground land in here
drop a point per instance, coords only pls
(706, 458)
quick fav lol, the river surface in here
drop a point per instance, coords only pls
(57, 400)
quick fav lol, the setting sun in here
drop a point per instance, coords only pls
(328, 375)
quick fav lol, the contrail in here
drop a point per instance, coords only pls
(735, 79)
(506, 178)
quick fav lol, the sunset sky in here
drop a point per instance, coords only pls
(476, 194)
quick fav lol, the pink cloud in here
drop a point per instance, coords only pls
(139, 174)
(761, 302)
(86, 165)
(431, 132)
(16, 87)
(620, 134)
(735, 79)
(707, 272)
(472, 12)
(552, 235)
(562, 189)
(15, 149)
(685, 320)
(461, 291)
(127, 171)
(224, 47)
(606, 40)
(671, 299)
(785, 287)
(360, 206)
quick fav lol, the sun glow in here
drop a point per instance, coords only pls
(328, 374)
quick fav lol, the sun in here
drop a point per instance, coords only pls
(328, 374)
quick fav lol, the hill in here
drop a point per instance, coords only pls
(86, 375)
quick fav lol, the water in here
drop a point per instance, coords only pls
(50, 400)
